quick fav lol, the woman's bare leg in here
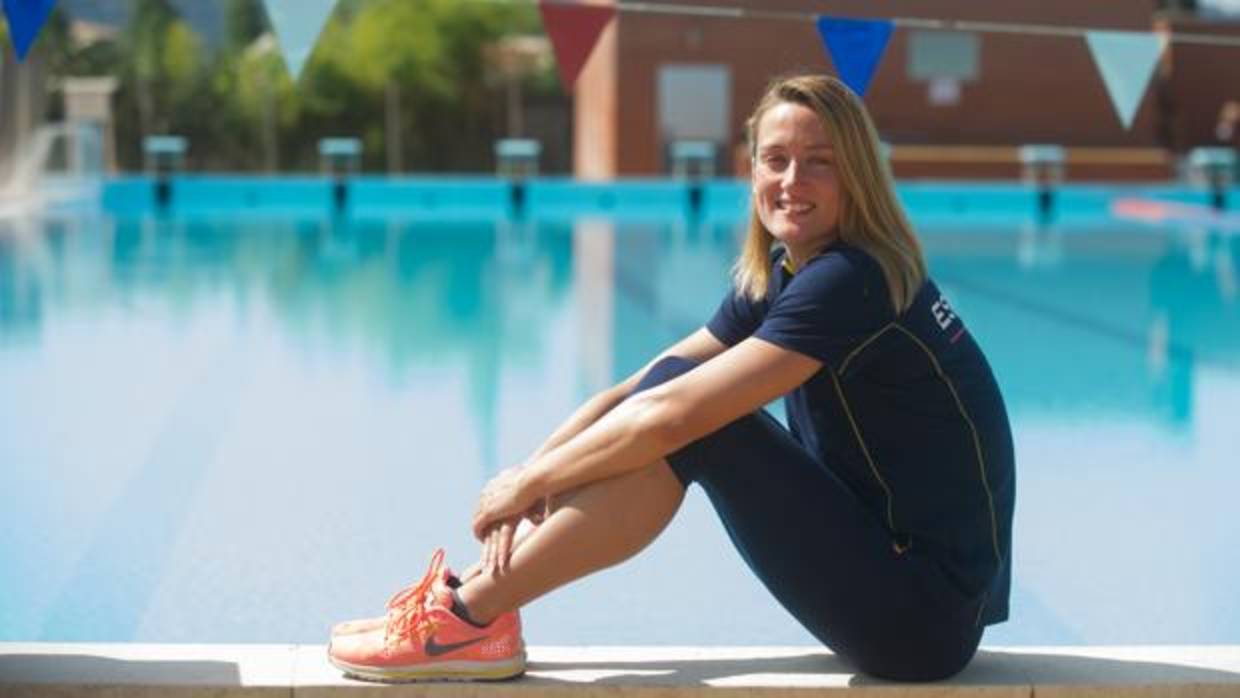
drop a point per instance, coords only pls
(595, 526)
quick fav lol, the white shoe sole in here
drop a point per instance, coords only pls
(458, 670)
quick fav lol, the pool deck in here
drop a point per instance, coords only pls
(42, 670)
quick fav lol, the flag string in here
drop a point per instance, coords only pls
(979, 27)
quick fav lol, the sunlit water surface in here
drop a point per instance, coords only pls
(241, 430)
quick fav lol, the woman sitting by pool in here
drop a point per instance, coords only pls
(881, 521)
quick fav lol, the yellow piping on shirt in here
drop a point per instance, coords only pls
(863, 345)
(865, 451)
(977, 441)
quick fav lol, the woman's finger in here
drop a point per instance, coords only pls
(476, 525)
(506, 530)
(485, 520)
(486, 552)
(493, 550)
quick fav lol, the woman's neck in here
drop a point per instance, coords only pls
(797, 256)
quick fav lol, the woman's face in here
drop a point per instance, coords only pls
(796, 189)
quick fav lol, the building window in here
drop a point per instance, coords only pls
(694, 104)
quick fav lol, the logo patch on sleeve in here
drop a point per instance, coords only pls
(943, 313)
(944, 316)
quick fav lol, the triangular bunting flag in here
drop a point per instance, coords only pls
(1126, 61)
(297, 24)
(574, 30)
(26, 19)
(856, 46)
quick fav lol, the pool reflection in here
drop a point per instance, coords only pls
(388, 368)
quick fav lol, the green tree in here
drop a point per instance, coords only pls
(244, 21)
(145, 41)
(165, 80)
(266, 102)
(431, 53)
(409, 77)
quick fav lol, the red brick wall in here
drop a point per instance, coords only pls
(1201, 78)
(1031, 89)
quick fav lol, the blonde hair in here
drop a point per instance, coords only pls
(870, 216)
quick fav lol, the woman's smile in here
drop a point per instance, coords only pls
(794, 208)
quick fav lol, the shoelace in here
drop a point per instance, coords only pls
(407, 609)
(412, 621)
(414, 593)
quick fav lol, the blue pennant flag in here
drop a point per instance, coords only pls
(26, 19)
(297, 24)
(856, 46)
(1126, 61)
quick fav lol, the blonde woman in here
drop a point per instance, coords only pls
(881, 521)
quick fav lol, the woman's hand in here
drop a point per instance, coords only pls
(497, 547)
(505, 497)
(502, 539)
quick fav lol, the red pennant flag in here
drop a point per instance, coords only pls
(574, 30)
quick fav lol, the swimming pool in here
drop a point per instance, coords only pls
(249, 415)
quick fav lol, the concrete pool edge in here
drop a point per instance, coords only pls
(67, 670)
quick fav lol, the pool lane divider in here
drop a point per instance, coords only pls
(182, 194)
(554, 197)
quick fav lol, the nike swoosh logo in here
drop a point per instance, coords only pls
(434, 649)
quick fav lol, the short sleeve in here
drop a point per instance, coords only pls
(737, 318)
(833, 304)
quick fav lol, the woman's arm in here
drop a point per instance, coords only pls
(700, 346)
(498, 535)
(652, 424)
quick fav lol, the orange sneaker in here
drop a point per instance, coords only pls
(428, 642)
(413, 594)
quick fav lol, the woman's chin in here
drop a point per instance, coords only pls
(799, 237)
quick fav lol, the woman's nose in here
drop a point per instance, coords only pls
(792, 173)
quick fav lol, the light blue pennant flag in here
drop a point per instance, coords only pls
(26, 19)
(297, 24)
(856, 46)
(1126, 61)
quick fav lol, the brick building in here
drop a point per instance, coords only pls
(654, 78)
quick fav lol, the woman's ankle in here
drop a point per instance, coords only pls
(472, 603)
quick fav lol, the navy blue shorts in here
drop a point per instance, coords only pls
(824, 556)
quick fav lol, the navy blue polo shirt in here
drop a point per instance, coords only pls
(905, 410)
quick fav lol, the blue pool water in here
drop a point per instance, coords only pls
(248, 416)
